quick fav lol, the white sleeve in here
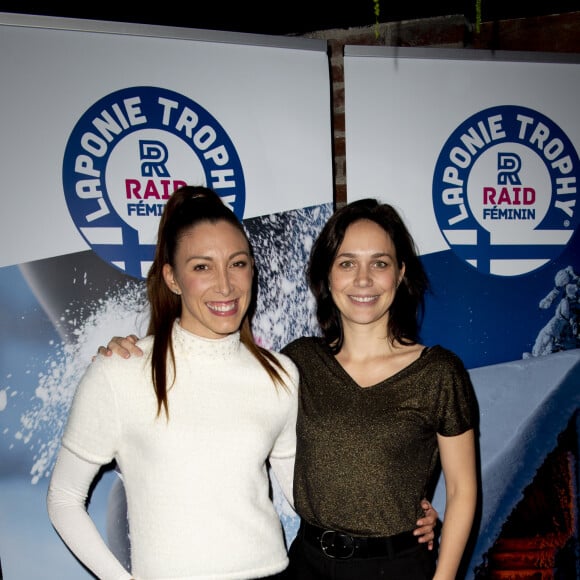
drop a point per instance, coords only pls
(284, 452)
(284, 472)
(67, 493)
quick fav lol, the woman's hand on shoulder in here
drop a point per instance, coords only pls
(124, 346)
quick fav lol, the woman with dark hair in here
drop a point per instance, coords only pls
(377, 411)
(407, 308)
(355, 543)
(191, 425)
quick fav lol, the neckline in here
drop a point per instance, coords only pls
(419, 360)
(208, 348)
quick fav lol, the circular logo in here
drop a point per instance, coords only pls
(505, 190)
(125, 157)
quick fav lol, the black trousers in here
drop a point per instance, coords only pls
(310, 563)
(281, 576)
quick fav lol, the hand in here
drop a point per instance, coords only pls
(123, 346)
(425, 529)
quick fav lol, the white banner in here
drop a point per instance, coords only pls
(100, 123)
(79, 97)
(479, 152)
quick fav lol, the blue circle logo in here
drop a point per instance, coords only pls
(126, 156)
(505, 190)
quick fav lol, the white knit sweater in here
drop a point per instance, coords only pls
(197, 484)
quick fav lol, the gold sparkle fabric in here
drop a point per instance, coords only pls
(367, 456)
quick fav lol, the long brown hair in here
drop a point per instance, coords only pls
(187, 207)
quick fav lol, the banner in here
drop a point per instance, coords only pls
(479, 153)
(101, 122)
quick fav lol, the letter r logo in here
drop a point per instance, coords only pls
(153, 155)
(508, 166)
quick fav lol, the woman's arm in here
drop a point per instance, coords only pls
(66, 499)
(459, 470)
(284, 471)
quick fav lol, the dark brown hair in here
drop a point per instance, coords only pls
(407, 309)
(187, 207)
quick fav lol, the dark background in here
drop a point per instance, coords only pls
(281, 17)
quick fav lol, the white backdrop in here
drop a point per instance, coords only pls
(492, 254)
(99, 121)
(479, 152)
(271, 95)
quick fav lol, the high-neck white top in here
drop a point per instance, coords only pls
(197, 483)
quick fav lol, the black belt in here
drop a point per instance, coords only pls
(342, 546)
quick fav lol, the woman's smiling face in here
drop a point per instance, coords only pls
(212, 272)
(365, 274)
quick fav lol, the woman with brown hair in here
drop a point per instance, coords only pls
(318, 476)
(193, 424)
(377, 412)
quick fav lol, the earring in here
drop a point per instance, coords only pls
(177, 292)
